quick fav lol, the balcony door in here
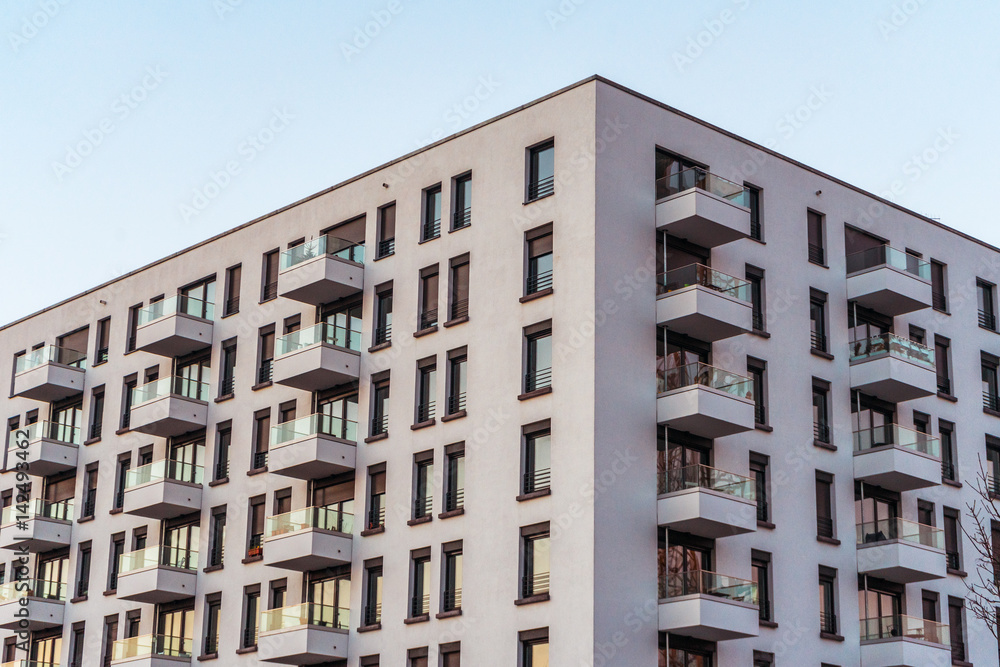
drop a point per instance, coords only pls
(865, 324)
(875, 510)
(674, 253)
(175, 623)
(683, 452)
(187, 457)
(44, 651)
(682, 558)
(194, 374)
(197, 300)
(345, 320)
(59, 493)
(873, 419)
(331, 597)
(881, 604)
(52, 577)
(340, 416)
(66, 422)
(180, 543)
(338, 497)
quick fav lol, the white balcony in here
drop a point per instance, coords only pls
(897, 458)
(703, 303)
(32, 605)
(704, 401)
(163, 489)
(309, 539)
(157, 574)
(317, 358)
(889, 281)
(174, 327)
(50, 374)
(321, 271)
(703, 208)
(892, 368)
(47, 447)
(37, 526)
(709, 606)
(169, 407)
(313, 447)
(901, 551)
(152, 651)
(904, 641)
(707, 502)
(303, 634)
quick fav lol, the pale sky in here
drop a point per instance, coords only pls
(115, 115)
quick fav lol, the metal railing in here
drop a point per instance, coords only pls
(265, 371)
(155, 556)
(755, 229)
(454, 500)
(380, 424)
(304, 614)
(817, 254)
(170, 386)
(178, 304)
(372, 614)
(428, 318)
(227, 386)
(534, 584)
(233, 305)
(900, 529)
(96, 428)
(422, 506)
(322, 518)
(255, 545)
(89, 502)
(703, 582)
(222, 469)
(885, 255)
(699, 373)
(889, 344)
(50, 354)
(700, 476)
(317, 424)
(821, 432)
(324, 332)
(991, 399)
(426, 411)
(270, 291)
(696, 177)
(64, 433)
(383, 334)
(540, 378)
(386, 247)
(987, 320)
(818, 341)
(451, 599)
(699, 274)
(824, 527)
(889, 627)
(461, 219)
(538, 479)
(431, 229)
(456, 403)
(954, 560)
(37, 508)
(217, 554)
(150, 645)
(539, 281)
(542, 187)
(325, 245)
(939, 301)
(898, 436)
(102, 355)
(162, 470)
(762, 508)
(376, 515)
(259, 460)
(948, 471)
(459, 309)
(420, 605)
(944, 385)
(828, 622)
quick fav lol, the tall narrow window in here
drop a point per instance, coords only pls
(451, 595)
(373, 592)
(227, 383)
(758, 470)
(90, 491)
(457, 374)
(539, 248)
(939, 295)
(76, 647)
(223, 441)
(213, 623)
(110, 636)
(428, 298)
(386, 231)
(537, 460)
(96, 414)
(991, 395)
(824, 505)
(380, 405)
(761, 566)
(423, 486)
(459, 293)
(535, 649)
(822, 432)
(124, 463)
(261, 438)
(383, 314)
(758, 375)
(265, 354)
(117, 549)
(217, 538)
(420, 583)
(431, 228)
(255, 528)
(234, 275)
(952, 535)
(956, 625)
(103, 341)
(755, 277)
(269, 277)
(376, 497)
(462, 215)
(817, 320)
(541, 171)
(83, 570)
(817, 245)
(426, 407)
(127, 387)
(454, 492)
(827, 600)
(756, 219)
(947, 431)
(251, 614)
(987, 306)
(451, 654)
(942, 362)
(538, 362)
(133, 326)
(535, 560)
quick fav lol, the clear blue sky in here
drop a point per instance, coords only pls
(113, 114)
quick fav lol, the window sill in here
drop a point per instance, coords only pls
(252, 559)
(767, 428)
(532, 201)
(457, 320)
(532, 394)
(373, 531)
(824, 445)
(247, 649)
(952, 482)
(767, 624)
(831, 636)
(760, 333)
(224, 398)
(108, 594)
(993, 413)
(91, 441)
(533, 599)
(457, 229)
(380, 346)
(947, 397)
(370, 628)
(821, 354)
(534, 494)
(765, 524)
(426, 330)
(259, 386)
(828, 540)
(942, 311)
(208, 656)
(423, 424)
(388, 254)
(428, 239)
(452, 513)
(256, 471)
(122, 431)
(822, 266)
(116, 510)
(958, 573)
(423, 618)
(85, 519)
(81, 598)
(213, 568)
(535, 295)
(221, 480)
(376, 437)
(961, 663)
(455, 415)
(449, 614)
(417, 522)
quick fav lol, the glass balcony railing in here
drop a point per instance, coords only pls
(50, 354)
(324, 245)
(170, 386)
(178, 304)
(696, 177)
(889, 627)
(698, 274)
(900, 529)
(899, 436)
(703, 582)
(888, 256)
(71, 435)
(888, 344)
(184, 559)
(703, 477)
(323, 518)
(34, 588)
(150, 645)
(61, 510)
(162, 470)
(307, 613)
(324, 332)
(318, 424)
(698, 373)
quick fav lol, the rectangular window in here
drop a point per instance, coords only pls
(942, 361)
(939, 295)
(758, 470)
(213, 623)
(535, 560)
(376, 497)
(127, 387)
(827, 600)
(373, 592)
(255, 528)
(956, 625)
(386, 231)
(96, 414)
(423, 485)
(103, 341)
(420, 583)
(110, 636)
(952, 535)
(451, 655)
(758, 375)
(462, 207)
(535, 648)
(416, 657)
(431, 228)
(537, 460)
(538, 361)
(991, 397)
(261, 439)
(755, 277)
(428, 298)
(459, 307)
(383, 315)
(90, 491)
(76, 647)
(233, 276)
(265, 354)
(539, 248)
(947, 431)
(817, 320)
(756, 221)
(454, 481)
(822, 431)
(763, 659)
(223, 442)
(761, 565)
(457, 375)
(269, 277)
(117, 549)
(251, 614)
(426, 407)
(380, 406)
(124, 463)
(541, 170)
(227, 381)
(824, 505)
(817, 244)
(451, 595)
(918, 335)
(133, 326)
(217, 538)
(987, 306)
(83, 570)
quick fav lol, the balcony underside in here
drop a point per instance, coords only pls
(38, 614)
(308, 550)
(163, 499)
(897, 468)
(169, 416)
(705, 412)
(893, 380)
(901, 561)
(317, 367)
(46, 457)
(320, 280)
(302, 645)
(174, 335)
(156, 585)
(37, 535)
(314, 457)
(889, 291)
(709, 618)
(702, 218)
(703, 313)
(153, 661)
(903, 652)
(706, 513)
(49, 382)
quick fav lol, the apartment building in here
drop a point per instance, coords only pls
(591, 383)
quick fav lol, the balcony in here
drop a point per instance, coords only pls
(48, 448)
(313, 447)
(706, 502)
(897, 458)
(163, 489)
(704, 400)
(708, 606)
(38, 525)
(40, 604)
(304, 634)
(892, 368)
(318, 358)
(901, 551)
(904, 641)
(157, 574)
(888, 281)
(703, 303)
(309, 539)
(169, 407)
(152, 651)
(174, 327)
(321, 271)
(50, 374)
(703, 208)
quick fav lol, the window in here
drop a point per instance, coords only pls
(376, 497)
(127, 387)
(451, 654)
(213, 623)
(426, 407)
(763, 659)
(758, 375)
(420, 583)
(535, 560)
(948, 454)
(755, 277)
(956, 625)
(132, 620)
(991, 397)
(824, 505)
(380, 405)
(416, 657)
(223, 441)
(386, 231)
(431, 228)
(987, 308)
(261, 439)
(369, 661)
(251, 613)
(428, 298)
(110, 636)
(758, 470)
(756, 221)
(538, 362)
(255, 529)
(457, 373)
(124, 463)
(761, 565)
(827, 600)
(952, 535)
(423, 481)
(217, 538)
(454, 481)
(103, 341)
(541, 170)
(373, 592)
(265, 354)
(462, 206)
(939, 297)
(96, 413)
(817, 246)
(451, 595)
(77, 644)
(539, 247)
(117, 549)
(278, 594)
(83, 570)
(942, 347)
(918, 335)
(821, 411)
(535, 648)
(233, 277)
(537, 460)
(269, 277)
(90, 491)
(459, 307)
(133, 326)
(228, 374)
(817, 320)
(383, 314)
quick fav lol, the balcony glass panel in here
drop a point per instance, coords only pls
(703, 477)
(324, 518)
(318, 424)
(888, 256)
(900, 436)
(20, 588)
(307, 613)
(893, 346)
(184, 559)
(37, 508)
(696, 177)
(698, 373)
(324, 332)
(170, 386)
(70, 435)
(164, 469)
(698, 274)
(324, 245)
(888, 627)
(900, 529)
(149, 645)
(185, 305)
(703, 582)
(50, 354)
